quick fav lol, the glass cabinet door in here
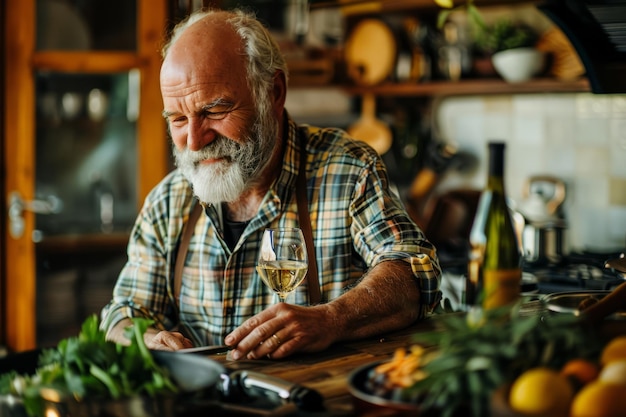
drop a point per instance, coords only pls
(86, 25)
(86, 150)
(86, 123)
(85, 144)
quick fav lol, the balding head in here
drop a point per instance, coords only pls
(207, 50)
(212, 30)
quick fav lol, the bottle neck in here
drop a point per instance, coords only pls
(495, 178)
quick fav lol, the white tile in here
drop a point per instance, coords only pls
(591, 131)
(617, 192)
(498, 104)
(525, 104)
(560, 105)
(617, 147)
(468, 128)
(618, 105)
(528, 130)
(559, 161)
(498, 126)
(587, 191)
(592, 162)
(588, 229)
(593, 105)
(617, 227)
(560, 130)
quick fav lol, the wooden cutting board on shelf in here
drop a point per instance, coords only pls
(370, 55)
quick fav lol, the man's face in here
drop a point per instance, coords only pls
(235, 162)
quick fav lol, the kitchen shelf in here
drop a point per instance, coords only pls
(84, 243)
(369, 6)
(472, 87)
(463, 87)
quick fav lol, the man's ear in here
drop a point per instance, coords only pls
(279, 93)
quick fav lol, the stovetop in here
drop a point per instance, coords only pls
(578, 271)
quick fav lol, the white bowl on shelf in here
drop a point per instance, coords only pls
(518, 64)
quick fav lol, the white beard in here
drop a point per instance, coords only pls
(218, 182)
(227, 179)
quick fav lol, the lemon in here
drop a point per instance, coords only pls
(600, 399)
(614, 350)
(446, 4)
(614, 371)
(541, 392)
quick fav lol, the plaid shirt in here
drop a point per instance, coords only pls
(357, 223)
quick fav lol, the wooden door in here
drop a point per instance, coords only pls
(24, 63)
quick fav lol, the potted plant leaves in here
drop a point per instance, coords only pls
(512, 49)
(508, 45)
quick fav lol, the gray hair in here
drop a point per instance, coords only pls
(263, 53)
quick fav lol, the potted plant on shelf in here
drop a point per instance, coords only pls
(512, 49)
(509, 46)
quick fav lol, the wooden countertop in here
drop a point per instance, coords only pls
(328, 371)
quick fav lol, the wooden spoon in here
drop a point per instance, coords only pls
(369, 129)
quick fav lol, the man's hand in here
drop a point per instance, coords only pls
(165, 340)
(155, 339)
(281, 330)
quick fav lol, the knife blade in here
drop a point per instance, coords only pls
(207, 350)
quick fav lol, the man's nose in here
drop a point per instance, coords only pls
(199, 135)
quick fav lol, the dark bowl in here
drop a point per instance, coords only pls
(12, 406)
(367, 403)
(500, 406)
(570, 302)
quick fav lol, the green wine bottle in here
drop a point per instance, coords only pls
(494, 269)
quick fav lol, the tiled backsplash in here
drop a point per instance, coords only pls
(577, 137)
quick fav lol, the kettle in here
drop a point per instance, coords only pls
(544, 234)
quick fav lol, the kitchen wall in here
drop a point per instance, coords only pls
(578, 137)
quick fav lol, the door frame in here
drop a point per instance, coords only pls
(17, 255)
(3, 5)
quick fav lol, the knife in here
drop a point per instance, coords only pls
(207, 350)
(254, 383)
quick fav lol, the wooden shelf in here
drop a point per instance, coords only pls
(463, 87)
(472, 87)
(84, 243)
(374, 6)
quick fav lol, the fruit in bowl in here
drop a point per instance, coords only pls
(469, 357)
(582, 387)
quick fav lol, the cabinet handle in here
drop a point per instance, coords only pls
(50, 205)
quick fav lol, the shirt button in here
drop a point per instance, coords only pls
(229, 311)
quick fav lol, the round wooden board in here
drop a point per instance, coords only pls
(370, 52)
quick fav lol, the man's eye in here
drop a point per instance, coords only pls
(215, 115)
(178, 121)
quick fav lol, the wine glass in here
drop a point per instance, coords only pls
(283, 260)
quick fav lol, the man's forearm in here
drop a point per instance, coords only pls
(386, 299)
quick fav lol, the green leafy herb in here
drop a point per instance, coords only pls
(89, 366)
(477, 356)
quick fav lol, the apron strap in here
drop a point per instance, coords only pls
(188, 229)
(313, 283)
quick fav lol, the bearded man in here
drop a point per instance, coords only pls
(242, 162)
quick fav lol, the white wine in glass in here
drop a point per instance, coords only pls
(283, 260)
